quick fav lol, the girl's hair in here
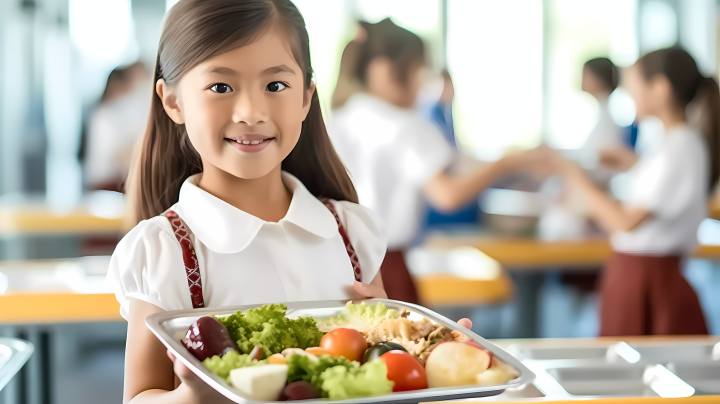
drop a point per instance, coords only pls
(195, 30)
(383, 39)
(689, 85)
(605, 70)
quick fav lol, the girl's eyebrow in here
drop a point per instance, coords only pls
(222, 70)
(278, 69)
(268, 71)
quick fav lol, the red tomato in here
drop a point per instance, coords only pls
(345, 342)
(405, 371)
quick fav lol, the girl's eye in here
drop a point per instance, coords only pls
(221, 88)
(276, 87)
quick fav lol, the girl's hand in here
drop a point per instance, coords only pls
(374, 291)
(195, 389)
(370, 290)
(617, 158)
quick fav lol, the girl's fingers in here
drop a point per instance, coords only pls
(367, 290)
(183, 372)
(465, 322)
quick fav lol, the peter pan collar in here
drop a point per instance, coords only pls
(226, 229)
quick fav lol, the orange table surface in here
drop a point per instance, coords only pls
(38, 220)
(524, 253)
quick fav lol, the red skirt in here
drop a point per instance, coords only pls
(645, 295)
(396, 278)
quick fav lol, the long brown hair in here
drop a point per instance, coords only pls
(195, 30)
(689, 86)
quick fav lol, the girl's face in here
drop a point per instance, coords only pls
(243, 109)
(383, 82)
(648, 95)
(591, 84)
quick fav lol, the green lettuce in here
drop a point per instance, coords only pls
(306, 331)
(369, 315)
(222, 366)
(302, 368)
(268, 326)
(370, 379)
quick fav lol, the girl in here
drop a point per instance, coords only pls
(643, 291)
(600, 78)
(240, 196)
(394, 156)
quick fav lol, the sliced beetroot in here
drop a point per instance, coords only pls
(300, 391)
(208, 337)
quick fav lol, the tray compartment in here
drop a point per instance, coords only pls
(703, 376)
(676, 352)
(622, 381)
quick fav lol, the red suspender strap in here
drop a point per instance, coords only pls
(192, 269)
(348, 247)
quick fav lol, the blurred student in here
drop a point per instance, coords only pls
(600, 78)
(654, 229)
(396, 157)
(115, 126)
(440, 114)
(565, 215)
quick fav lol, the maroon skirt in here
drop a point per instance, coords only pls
(396, 278)
(645, 295)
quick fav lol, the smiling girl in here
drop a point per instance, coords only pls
(238, 193)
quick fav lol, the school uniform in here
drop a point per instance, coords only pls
(643, 290)
(204, 252)
(390, 153)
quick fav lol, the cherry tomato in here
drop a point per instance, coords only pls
(405, 371)
(345, 342)
(317, 351)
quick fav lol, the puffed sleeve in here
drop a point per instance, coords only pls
(367, 236)
(147, 265)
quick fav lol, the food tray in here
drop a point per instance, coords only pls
(13, 355)
(171, 326)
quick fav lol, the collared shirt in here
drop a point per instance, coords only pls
(244, 259)
(672, 184)
(391, 153)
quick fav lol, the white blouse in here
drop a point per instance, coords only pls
(391, 153)
(672, 184)
(244, 259)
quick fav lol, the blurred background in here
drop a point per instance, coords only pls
(75, 83)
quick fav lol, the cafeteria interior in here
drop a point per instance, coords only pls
(525, 272)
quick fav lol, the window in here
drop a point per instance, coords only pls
(494, 55)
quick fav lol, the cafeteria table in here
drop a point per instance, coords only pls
(29, 220)
(528, 260)
(41, 293)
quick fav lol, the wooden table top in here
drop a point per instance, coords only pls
(57, 291)
(526, 253)
(39, 220)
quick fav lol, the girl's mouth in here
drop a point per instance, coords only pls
(250, 143)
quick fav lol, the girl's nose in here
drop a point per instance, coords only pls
(251, 108)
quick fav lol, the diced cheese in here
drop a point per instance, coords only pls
(264, 383)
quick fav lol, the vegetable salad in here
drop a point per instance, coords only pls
(369, 350)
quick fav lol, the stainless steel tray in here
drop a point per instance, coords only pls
(171, 326)
(13, 355)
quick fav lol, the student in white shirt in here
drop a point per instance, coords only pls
(600, 78)
(654, 229)
(564, 216)
(394, 156)
(239, 194)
